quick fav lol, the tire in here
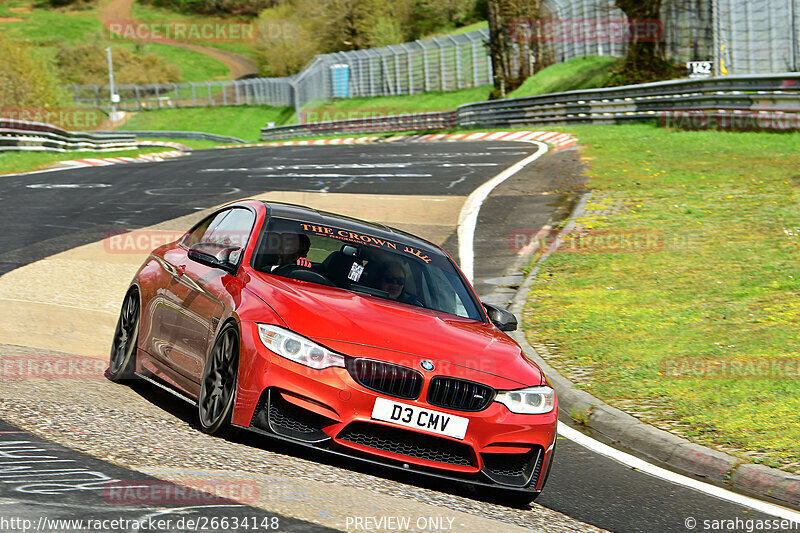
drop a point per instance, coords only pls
(218, 386)
(122, 360)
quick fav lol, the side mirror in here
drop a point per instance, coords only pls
(501, 318)
(216, 255)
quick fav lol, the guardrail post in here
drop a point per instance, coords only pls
(177, 96)
(236, 87)
(138, 98)
(158, 97)
(224, 88)
(194, 94)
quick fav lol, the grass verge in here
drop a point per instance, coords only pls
(49, 29)
(242, 122)
(12, 162)
(696, 330)
(579, 73)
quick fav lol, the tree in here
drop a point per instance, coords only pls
(645, 53)
(25, 81)
(513, 36)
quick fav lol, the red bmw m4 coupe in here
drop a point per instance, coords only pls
(344, 335)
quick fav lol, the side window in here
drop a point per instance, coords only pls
(196, 235)
(233, 230)
(229, 228)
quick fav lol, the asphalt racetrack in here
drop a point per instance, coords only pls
(60, 291)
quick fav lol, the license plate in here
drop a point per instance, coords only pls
(419, 418)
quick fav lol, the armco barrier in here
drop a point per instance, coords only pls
(192, 135)
(776, 96)
(21, 135)
(415, 122)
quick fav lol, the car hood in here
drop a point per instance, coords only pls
(359, 325)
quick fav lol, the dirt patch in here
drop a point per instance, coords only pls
(10, 19)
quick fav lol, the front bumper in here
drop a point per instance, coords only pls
(329, 409)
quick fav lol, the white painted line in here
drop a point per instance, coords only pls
(468, 218)
(712, 490)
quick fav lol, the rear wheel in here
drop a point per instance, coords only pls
(218, 387)
(122, 361)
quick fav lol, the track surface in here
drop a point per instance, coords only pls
(70, 208)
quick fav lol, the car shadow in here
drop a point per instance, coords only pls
(187, 412)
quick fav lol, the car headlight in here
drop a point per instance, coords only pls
(530, 401)
(298, 349)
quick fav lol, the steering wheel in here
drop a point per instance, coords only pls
(302, 273)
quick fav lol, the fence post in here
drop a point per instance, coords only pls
(442, 74)
(177, 96)
(371, 75)
(194, 94)
(425, 66)
(158, 98)
(793, 32)
(410, 69)
(458, 62)
(398, 81)
(138, 98)
(474, 64)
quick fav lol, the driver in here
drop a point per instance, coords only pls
(393, 282)
(293, 249)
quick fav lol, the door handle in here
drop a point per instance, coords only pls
(181, 270)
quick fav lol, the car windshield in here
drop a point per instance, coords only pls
(357, 261)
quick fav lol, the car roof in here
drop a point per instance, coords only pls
(315, 216)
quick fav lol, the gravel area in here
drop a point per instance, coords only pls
(148, 430)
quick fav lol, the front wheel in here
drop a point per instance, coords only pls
(122, 361)
(218, 387)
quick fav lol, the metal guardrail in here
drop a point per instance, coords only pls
(775, 96)
(414, 122)
(21, 135)
(192, 135)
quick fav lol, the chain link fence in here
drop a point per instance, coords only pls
(739, 36)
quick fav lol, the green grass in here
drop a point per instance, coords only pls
(480, 25)
(48, 29)
(720, 284)
(587, 72)
(148, 13)
(194, 66)
(242, 122)
(12, 162)
(344, 108)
